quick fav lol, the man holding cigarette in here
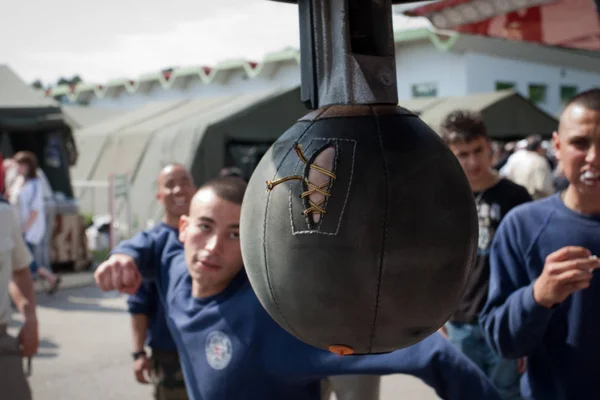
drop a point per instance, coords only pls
(544, 292)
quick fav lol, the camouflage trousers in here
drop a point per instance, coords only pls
(168, 377)
(351, 387)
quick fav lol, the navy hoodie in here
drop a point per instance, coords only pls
(562, 344)
(231, 349)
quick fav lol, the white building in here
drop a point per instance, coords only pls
(428, 64)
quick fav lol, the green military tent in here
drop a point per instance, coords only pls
(30, 121)
(205, 134)
(507, 115)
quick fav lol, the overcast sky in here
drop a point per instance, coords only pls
(102, 40)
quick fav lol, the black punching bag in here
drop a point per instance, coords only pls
(358, 226)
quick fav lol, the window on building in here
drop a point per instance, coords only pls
(424, 90)
(505, 85)
(567, 92)
(537, 93)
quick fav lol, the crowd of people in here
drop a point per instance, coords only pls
(524, 329)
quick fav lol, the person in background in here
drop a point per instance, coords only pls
(530, 168)
(15, 284)
(231, 171)
(507, 150)
(175, 188)
(13, 181)
(28, 197)
(466, 135)
(544, 286)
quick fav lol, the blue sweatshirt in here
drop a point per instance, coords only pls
(562, 344)
(146, 301)
(231, 349)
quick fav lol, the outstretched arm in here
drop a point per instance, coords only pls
(434, 360)
(142, 250)
(137, 257)
(129, 261)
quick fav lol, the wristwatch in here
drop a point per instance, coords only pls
(138, 354)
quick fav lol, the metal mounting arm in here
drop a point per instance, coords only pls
(347, 53)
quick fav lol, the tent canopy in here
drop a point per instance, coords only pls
(30, 121)
(204, 134)
(79, 117)
(507, 114)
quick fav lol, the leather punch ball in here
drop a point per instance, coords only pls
(359, 229)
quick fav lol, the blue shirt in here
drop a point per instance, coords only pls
(146, 300)
(562, 344)
(231, 349)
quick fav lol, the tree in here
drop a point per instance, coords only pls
(37, 84)
(63, 81)
(73, 81)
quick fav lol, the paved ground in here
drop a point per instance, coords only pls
(85, 346)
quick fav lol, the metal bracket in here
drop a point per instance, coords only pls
(347, 53)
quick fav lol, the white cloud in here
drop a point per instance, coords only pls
(146, 37)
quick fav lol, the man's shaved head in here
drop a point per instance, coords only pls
(577, 147)
(588, 100)
(175, 188)
(167, 169)
(210, 233)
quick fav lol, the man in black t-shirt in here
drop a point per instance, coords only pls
(466, 135)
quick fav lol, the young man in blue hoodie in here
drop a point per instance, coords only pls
(230, 348)
(544, 290)
(175, 189)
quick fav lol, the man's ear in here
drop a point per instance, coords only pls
(184, 222)
(556, 143)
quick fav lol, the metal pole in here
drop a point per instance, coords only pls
(111, 209)
(129, 209)
(347, 52)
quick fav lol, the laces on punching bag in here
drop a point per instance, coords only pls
(315, 208)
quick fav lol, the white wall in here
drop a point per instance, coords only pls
(484, 70)
(421, 62)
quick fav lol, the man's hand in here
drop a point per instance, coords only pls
(120, 273)
(566, 271)
(142, 367)
(29, 337)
